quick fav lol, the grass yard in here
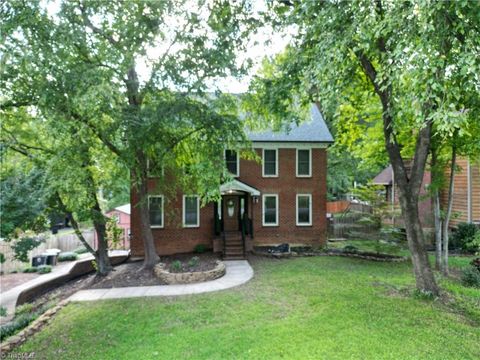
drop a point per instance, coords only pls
(318, 308)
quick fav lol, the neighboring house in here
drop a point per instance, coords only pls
(466, 195)
(280, 200)
(122, 216)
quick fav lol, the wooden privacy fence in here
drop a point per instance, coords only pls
(350, 225)
(64, 242)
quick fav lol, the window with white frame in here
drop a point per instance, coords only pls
(304, 209)
(304, 162)
(191, 211)
(232, 162)
(155, 210)
(270, 163)
(270, 210)
(154, 169)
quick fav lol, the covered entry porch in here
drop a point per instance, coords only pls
(234, 219)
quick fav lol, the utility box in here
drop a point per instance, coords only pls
(39, 260)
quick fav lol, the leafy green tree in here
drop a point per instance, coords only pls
(417, 63)
(89, 53)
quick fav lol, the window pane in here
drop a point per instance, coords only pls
(191, 215)
(155, 211)
(270, 216)
(269, 162)
(303, 162)
(231, 161)
(303, 169)
(269, 169)
(303, 210)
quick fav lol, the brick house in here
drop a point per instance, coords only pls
(280, 200)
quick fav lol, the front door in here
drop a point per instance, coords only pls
(231, 213)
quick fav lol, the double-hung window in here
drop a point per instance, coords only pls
(232, 162)
(153, 169)
(155, 210)
(304, 162)
(270, 163)
(270, 210)
(191, 211)
(304, 209)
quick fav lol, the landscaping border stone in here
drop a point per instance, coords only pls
(359, 255)
(16, 340)
(189, 277)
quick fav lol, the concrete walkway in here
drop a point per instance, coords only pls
(8, 299)
(237, 273)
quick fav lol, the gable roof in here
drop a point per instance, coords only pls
(313, 130)
(385, 177)
(124, 208)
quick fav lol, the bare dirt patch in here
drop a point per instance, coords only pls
(9, 281)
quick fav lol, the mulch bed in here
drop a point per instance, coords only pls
(207, 261)
(132, 274)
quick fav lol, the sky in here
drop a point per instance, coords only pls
(265, 43)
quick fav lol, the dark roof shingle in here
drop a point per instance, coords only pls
(313, 130)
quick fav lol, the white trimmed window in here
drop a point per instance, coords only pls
(304, 162)
(270, 210)
(155, 210)
(153, 169)
(232, 162)
(304, 209)
(191, 211)
(270, 163)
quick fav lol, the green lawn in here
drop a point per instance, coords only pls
(318, 308)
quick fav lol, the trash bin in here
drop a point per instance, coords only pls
(51, 259)
(39, 260)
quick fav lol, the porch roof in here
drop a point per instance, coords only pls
(236, 185)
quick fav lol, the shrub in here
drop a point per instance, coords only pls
(200, 249)
(22, 246)
(2, 258)
(23, 309)
(44, 269)
(471, 277)
(176, 266)
(473, 246)
(476, 263)
(30, 269)
(80, 250)
(350, 249)
(463, 236)
(3, 311)
(17, 324)
(194, 261)
(67, 256)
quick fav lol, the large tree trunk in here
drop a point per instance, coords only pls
(151, 257)
(103, 261)
(100, 255)
(424, 278)
(437, 218)
(448, 213)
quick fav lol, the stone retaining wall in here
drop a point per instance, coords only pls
(189, 277)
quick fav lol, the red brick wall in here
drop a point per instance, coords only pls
(287, 185)
(175, 239)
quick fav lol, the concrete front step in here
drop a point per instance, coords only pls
(233, 257)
